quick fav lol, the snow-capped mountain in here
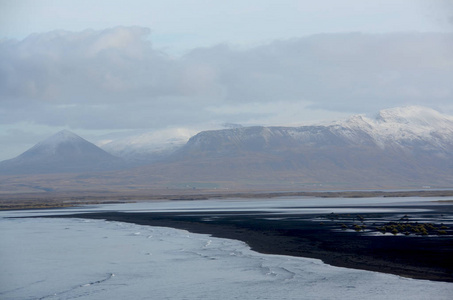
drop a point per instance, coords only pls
(402, 127)
(401, 146)
(148, 146)
(62, 152)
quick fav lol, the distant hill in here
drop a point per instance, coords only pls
(64, 152)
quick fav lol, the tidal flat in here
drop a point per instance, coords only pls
(280, 247)
(391, 235)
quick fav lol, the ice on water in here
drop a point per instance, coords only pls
(95, 259)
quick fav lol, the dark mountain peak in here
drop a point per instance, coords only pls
(64, 151)
(63, 145)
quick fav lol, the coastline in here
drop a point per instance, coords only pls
(308, 235)
(50, 200)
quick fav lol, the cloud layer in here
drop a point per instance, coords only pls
(116, 79)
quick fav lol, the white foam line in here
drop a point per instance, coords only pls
(79, 286)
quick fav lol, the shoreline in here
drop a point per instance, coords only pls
(307, 235)
(52, 200)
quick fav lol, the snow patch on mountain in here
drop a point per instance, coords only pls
(51, 144)
(148, 143)
(400, 126)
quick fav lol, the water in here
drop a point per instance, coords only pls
(95, 259)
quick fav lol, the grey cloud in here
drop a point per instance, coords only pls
(339, 71)
(61, 67)
(114, 78)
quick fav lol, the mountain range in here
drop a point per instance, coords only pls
(404, 147)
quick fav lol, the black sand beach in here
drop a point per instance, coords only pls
(333, 238)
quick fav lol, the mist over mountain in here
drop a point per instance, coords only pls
(64, 152)
(146, 147)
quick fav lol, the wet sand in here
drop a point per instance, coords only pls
(318, 236)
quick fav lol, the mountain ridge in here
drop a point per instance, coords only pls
(388, 127)
(394, 147)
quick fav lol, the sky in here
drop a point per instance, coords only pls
(109, 69)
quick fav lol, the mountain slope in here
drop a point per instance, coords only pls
(400, 147)
(61, 153)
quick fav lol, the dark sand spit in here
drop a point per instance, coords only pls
(333, 238)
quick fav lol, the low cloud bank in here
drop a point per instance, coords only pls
(116, 79)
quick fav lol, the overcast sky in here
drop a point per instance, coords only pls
(103, 67)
